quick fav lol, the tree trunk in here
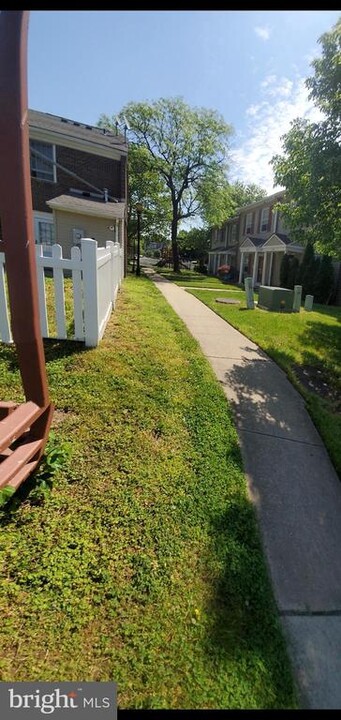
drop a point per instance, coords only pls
(175, 249)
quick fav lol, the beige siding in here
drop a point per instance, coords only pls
(93, 227)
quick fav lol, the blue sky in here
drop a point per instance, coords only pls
(248, 65)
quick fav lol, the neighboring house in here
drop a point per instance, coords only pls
(253, 242)
(79, 182)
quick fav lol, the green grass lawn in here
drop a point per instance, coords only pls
(143, 564)
(189, 278)
(309, 341)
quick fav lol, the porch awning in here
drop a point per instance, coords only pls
(83, 206)
(270, 243)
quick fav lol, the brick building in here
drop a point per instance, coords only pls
(79, 181)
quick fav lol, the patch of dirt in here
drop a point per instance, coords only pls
(316, 381)
(60, 415)
(228, 301)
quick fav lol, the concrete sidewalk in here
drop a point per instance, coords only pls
(295, 490)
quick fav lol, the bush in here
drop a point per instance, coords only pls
(325, 281)
(308, 271)
(316, 276)
(289, 271)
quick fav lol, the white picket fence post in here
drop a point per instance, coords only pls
(96, 278)
(90, 291)
(111, 247)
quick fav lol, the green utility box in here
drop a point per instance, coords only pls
(275, 298)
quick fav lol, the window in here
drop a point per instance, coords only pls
(233, 234)
(264, 219)
(40, 168)
(44, 230)
(248, 223)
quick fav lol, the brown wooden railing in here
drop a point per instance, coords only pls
(24, 428)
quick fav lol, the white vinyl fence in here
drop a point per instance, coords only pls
(95, 273)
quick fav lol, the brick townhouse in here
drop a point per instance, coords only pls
(79, 181)
(253, 242)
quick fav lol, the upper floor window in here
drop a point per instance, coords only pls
(43, 157)
(248, 223)
(233, 234)
(264, 219)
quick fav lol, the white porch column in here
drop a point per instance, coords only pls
(270, 268)
(264, 267)
(241, 267)
(116, 231)
(255, 268)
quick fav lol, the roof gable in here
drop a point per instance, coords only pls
(250, 242)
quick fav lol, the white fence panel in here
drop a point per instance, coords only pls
(104, 289)
(5, 327)
(77, 294)
(41, 292)
(96, 277)
(58, 277)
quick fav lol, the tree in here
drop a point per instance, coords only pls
(194, 244)
(325, 84)
(145, 187)
(245, 194)
(220, 199)
(184, 146)
(308, 271)
(310, 168)
(325, 281)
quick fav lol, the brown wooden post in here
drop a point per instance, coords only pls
(16, 212)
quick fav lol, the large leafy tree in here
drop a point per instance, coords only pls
(182, 147)
(220, 199)
(146, 187)
(310, 168)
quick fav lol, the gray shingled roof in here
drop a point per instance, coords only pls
(83, 206)
(73, 129)
(257, 241)
(266, 200)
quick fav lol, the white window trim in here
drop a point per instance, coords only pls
(54, 166)
(261, 219)
(43, 217)
(248, 226)
(274, 221)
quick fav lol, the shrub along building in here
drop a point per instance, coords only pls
(79, 182)
(253, 242)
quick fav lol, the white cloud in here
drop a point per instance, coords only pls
(281, 101)
(263, 31)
